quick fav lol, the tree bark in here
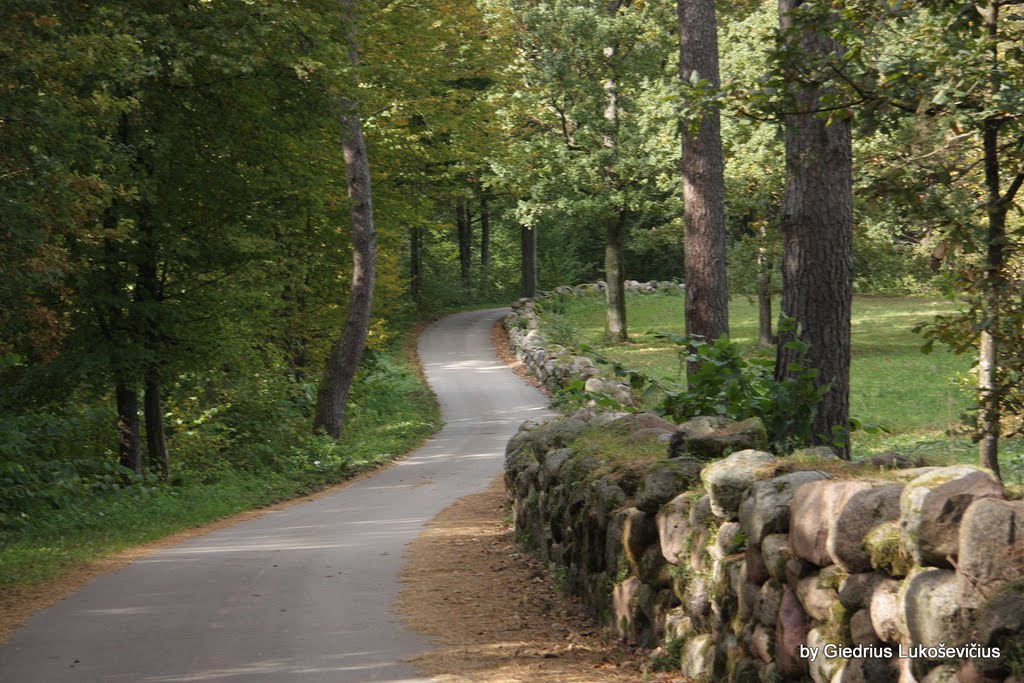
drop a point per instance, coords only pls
(343, 359)
(528, 249)
(156, 438)
(707, 298)
(615, 329)
(129, 455)
(615, 295)
(990, 388)
(994, 287)
(149, 296)
(817, 232)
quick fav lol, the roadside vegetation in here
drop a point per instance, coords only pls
(256, 450)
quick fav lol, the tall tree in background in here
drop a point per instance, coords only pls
(343, 359)
(707, 298)
(817, 228)
(581, 162)
(959, 80)
(1000, 42)
(615, 329)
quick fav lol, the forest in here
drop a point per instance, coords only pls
(208, 209)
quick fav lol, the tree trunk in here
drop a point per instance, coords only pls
(615, 311)
(615, 329)
(528, 249)
(485, 245)
(156, 439)
(990, 388)
(764, 292)
(343, 359)
(463, 220)
(129, 456)
(707, 298)
(149, 296)
(416, 262)
(817, 232)
(994, 287)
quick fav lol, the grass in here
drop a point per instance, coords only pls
(392, 418)
(918, 399)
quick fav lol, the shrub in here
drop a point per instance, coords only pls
(727, 384)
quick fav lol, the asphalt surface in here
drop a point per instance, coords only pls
(299, 594)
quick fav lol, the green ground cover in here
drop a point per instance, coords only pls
(918, 399)
(390, 412)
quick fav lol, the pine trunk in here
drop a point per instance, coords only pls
(817, 233)
(343, 359)
(707, 298)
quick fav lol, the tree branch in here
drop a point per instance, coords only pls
(1011, 192)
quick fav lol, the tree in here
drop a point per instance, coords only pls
(707, 298)
(343, 359)
(817, 228)
(969, 79)
(946, 79)
(583, 119)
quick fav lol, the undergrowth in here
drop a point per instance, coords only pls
(56, 512)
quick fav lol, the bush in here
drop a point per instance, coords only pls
(559, 329)
(729, 385)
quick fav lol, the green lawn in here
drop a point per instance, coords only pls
(917, 398)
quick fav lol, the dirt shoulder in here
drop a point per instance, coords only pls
(495, 612)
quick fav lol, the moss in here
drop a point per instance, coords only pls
(738, 544)
(831, 577)
(886, 550)
(837, 629)
(613, 449)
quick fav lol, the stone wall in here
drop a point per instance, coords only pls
(738, 565)
(554, 365)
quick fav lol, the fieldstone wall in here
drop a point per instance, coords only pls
(738, 565)
(554, 365)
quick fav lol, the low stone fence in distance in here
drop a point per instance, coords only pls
(554, 365)
(742, 566)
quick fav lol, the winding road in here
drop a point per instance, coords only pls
(303, 593)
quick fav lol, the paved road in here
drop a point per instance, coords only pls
(300, 594)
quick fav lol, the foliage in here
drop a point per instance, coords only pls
(60, 510)
(727, 384)
(573, 166)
